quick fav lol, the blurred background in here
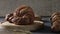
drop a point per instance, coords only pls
(40, 7)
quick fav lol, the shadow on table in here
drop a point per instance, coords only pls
(46, 29)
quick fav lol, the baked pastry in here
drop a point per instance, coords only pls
(21, 16)
(56, 26)
(55, 19)
(55, 13)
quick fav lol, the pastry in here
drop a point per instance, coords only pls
(55, 22)
(21, 16)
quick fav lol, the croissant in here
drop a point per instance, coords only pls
(23, 15)
(55, 18)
